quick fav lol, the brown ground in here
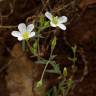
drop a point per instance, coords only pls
(83, 33)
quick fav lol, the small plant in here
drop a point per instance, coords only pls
(26, 33)
(67, 82)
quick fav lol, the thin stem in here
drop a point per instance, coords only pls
(46, 65)
(45, 69)
(4, 27)
(38, 39)
(38, 47)
(67, 91)
(28, 45)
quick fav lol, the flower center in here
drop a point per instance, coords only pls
(55, 20)
(25, 35)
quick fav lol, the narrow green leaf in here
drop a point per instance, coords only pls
(41, 21)
(34, 48)
(53, 43)
(41, 61)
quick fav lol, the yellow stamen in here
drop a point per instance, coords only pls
(25, 35)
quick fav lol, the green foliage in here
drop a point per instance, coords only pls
(39, 84)
(52, 92)
(74, 49)
(43, 24)
(41, 20)
(61, 89)
(34, 48)
(55, 68)
(44, 61)
(53, 43)
(65, 72)
(70, 82)
(41, 61)
(74, 58)
(39, 88)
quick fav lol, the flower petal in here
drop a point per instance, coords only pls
(16, 33)
(32, 34)
(62, 19)
(30, 27)
(22, 27)
(20, 38)
(52, 24)
(48, 15)
(62, 26)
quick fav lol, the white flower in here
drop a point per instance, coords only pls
(56, 21)
(25, 32)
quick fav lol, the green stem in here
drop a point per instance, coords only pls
(45, 69)
(38, 39)
(67, 91)
(46, 65)
(28, 45)
(38, 47)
